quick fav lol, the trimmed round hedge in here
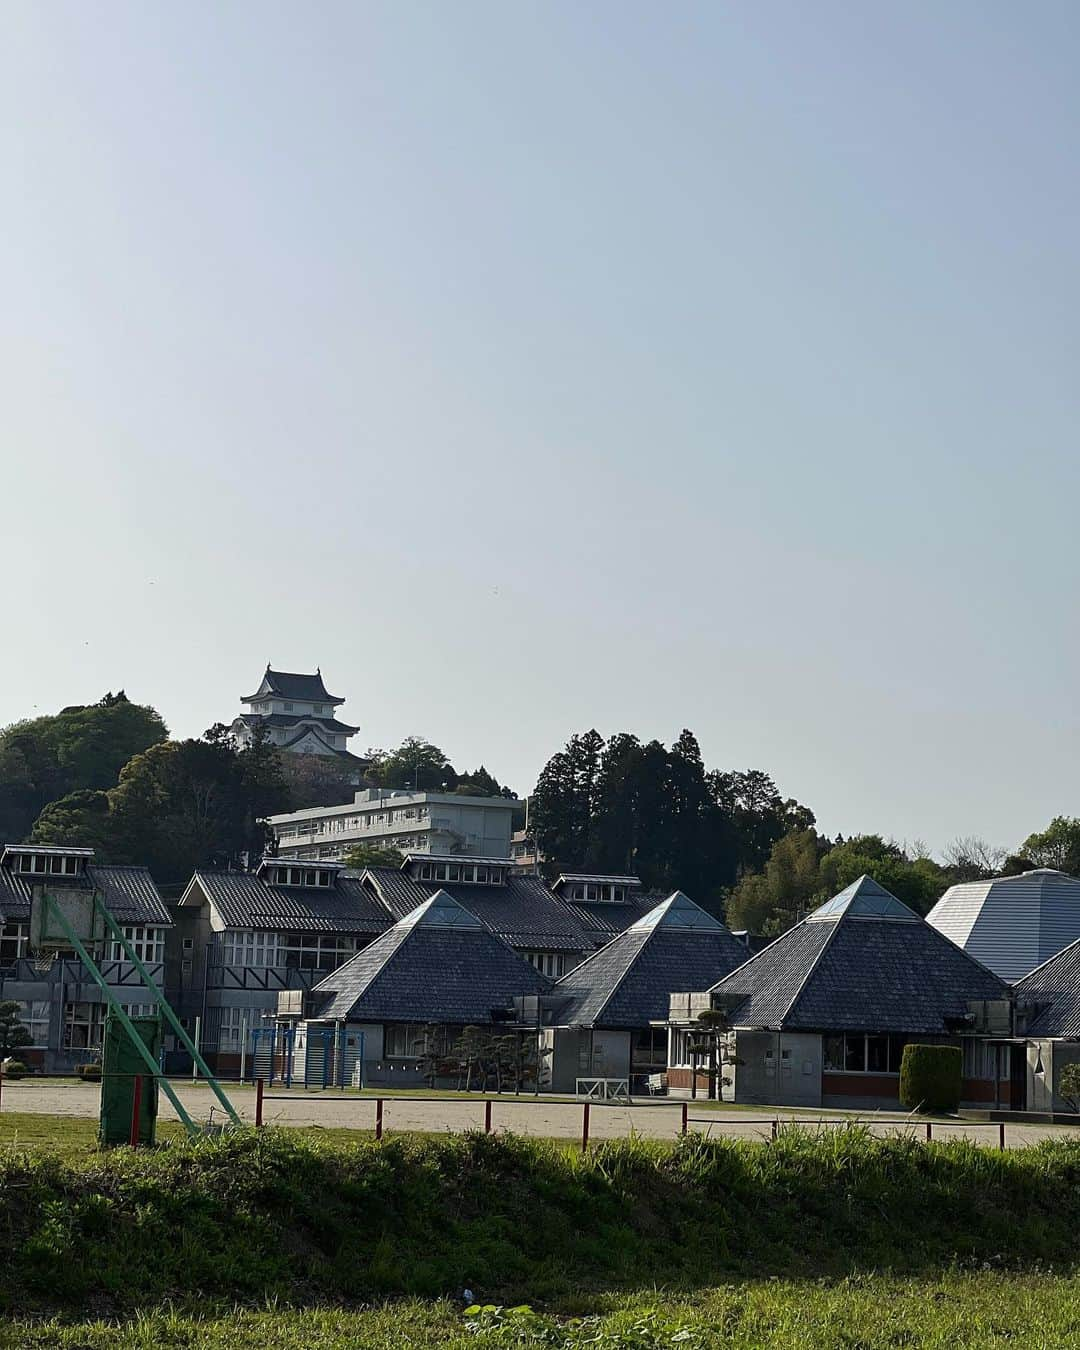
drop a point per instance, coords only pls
(930, 1077)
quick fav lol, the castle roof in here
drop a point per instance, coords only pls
(291, 685)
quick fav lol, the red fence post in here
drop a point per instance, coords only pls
(487, 1116)
(1001, 1135)
(258, 1102)
(929, 1131)
(136, 1107)
(685, 1114)
(584, 1126)
(378, 1117)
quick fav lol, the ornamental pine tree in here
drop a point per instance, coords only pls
(13, 1034)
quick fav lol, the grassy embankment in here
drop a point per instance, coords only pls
(838, 1240)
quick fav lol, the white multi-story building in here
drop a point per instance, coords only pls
(298, 714)
(413, 822)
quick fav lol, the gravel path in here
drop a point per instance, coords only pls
(552, 1119)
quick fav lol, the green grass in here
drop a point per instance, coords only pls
(324, 1240)
(309, 1220)
(959, 1311)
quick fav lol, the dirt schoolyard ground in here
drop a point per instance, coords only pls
(542, 1116)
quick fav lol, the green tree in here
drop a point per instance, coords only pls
(177, 806)
(78, 749)
(415, 763)
(361, 856)
(1057, 846)
(14, 1035)
(1069, 1085)
(772, 901)
(916, 880)
(480, 783)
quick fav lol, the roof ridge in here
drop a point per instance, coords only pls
(834, 929)
(625, 971)
(1034, 969)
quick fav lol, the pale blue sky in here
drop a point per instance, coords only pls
(540, 366)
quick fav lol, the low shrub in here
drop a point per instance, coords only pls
(89, 1073)
(930, 1078)
(15, 1068)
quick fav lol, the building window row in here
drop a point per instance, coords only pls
(475, 873)
(547, 963)
(597, 891)
(861, 1053)
(84, 1023)
(298, 876)
(303, 951)
(148, 943)
(51, 864)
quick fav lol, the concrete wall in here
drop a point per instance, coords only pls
(1045, 1061)
(791, 1079)
(570, 1060)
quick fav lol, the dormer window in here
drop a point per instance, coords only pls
(299, 876)
(48, 864)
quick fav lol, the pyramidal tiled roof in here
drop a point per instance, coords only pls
(678, 911)
(865, 899)
(861, 962)
(440, 911)
(439, 963)
(675, 947)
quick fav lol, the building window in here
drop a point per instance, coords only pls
(649, 1048)
(856, 1052)
(243, 947)
(14, 942)
(34, 1015)
(83, 1023)
(231, 1028)
(314, 951)
(547, 963)
(403, 1040)
(148, 943)
(288, 707)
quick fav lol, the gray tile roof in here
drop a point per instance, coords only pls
(244, 900)
(1053, 991)
(428, 969)
(628, 982)
(289, 684)
(128, 892)
(601, 920)
(523, 911)
(851, 969)
(130, 895)
(299, 719)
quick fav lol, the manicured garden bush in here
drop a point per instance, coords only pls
(930, 1077)
(15, 1068)
(89, 1073)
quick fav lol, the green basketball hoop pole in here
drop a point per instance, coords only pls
(125, 1021)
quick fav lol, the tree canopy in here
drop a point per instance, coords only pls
(80, 749)
(372, 855)
(657, 813)
(177, 806)
(420, 765)
(804, 870)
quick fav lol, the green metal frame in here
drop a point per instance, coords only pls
(125, 1021)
